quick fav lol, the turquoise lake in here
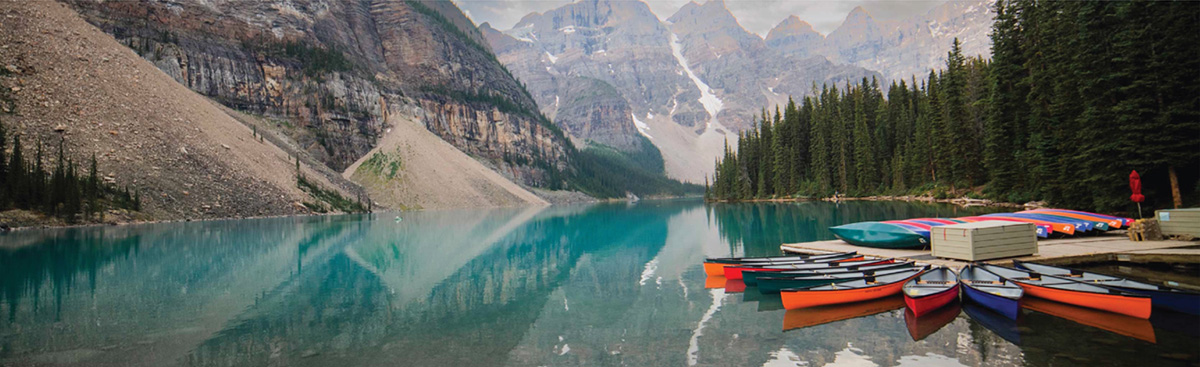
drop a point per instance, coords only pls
(595, 285)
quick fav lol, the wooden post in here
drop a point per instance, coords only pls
(1175, 187)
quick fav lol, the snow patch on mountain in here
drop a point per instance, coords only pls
(711, 103)
(642, 127)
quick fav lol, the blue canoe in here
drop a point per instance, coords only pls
(879, 235)
(1160, 296)
(1080, 225)
(991, 290)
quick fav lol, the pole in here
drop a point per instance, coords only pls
(1139, 210)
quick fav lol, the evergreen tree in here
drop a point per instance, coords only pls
(1005, 132)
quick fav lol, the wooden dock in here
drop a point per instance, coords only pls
(1068, 251)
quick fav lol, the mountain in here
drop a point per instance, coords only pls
(69, 86)
(689, 83)
(898, 49)
(336, 78)
(795, 37)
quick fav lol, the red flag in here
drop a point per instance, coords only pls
(1135, 184)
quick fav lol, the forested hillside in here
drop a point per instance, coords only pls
(1075, 96)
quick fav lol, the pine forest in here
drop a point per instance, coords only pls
(1074, 96)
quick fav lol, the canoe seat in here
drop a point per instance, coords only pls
(967, 281)
(934, 282)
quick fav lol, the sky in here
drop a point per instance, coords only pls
(757, 16)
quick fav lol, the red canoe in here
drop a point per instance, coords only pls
(930, 291)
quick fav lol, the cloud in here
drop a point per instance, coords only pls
(757, 16)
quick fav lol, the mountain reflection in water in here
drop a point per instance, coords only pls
(596, 285)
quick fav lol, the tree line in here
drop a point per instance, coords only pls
(66, 192)
(1074, 96)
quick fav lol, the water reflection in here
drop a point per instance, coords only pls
(574, 285)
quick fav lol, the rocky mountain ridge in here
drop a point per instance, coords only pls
(899, 49)
(691, 82)
(331, 71)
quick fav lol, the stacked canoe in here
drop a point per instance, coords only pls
(914, 233)
(815, 283)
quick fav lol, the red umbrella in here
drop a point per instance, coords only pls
(1135, 184)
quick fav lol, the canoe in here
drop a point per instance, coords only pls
(1081, 294)
(1112, 222)
(1125, 325)
(853, 291)
(716, 267)
(918, 228)
(813, 316)
(1063, 228)
(1161, 296)
(1125, 222)
(922, 326)
(750, 277)
(991, 291)
(879, 235)
(1002, 325)
(1100, 225)
(735, 272)
(933, 222)
(776, 284)
(1043, 230)
(930, 291)
(1080, 225)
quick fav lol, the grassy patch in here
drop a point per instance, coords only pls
(328, 199)
(385, 165)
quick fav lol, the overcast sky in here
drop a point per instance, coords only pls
(757, 16)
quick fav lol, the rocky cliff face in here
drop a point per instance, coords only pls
(330, 68)
(898, 49)
(690, 82)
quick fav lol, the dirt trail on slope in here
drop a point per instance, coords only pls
(70, 81)
(431, 173)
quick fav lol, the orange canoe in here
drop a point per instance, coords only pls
(853, 291)
(715, 269)
(1071, 292)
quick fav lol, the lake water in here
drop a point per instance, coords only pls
(598, 285)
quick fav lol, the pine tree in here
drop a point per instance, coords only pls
(1004, 137)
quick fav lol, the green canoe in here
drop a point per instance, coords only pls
(879, 235)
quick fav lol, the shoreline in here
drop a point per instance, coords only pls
(962, 201)
(50, 223)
